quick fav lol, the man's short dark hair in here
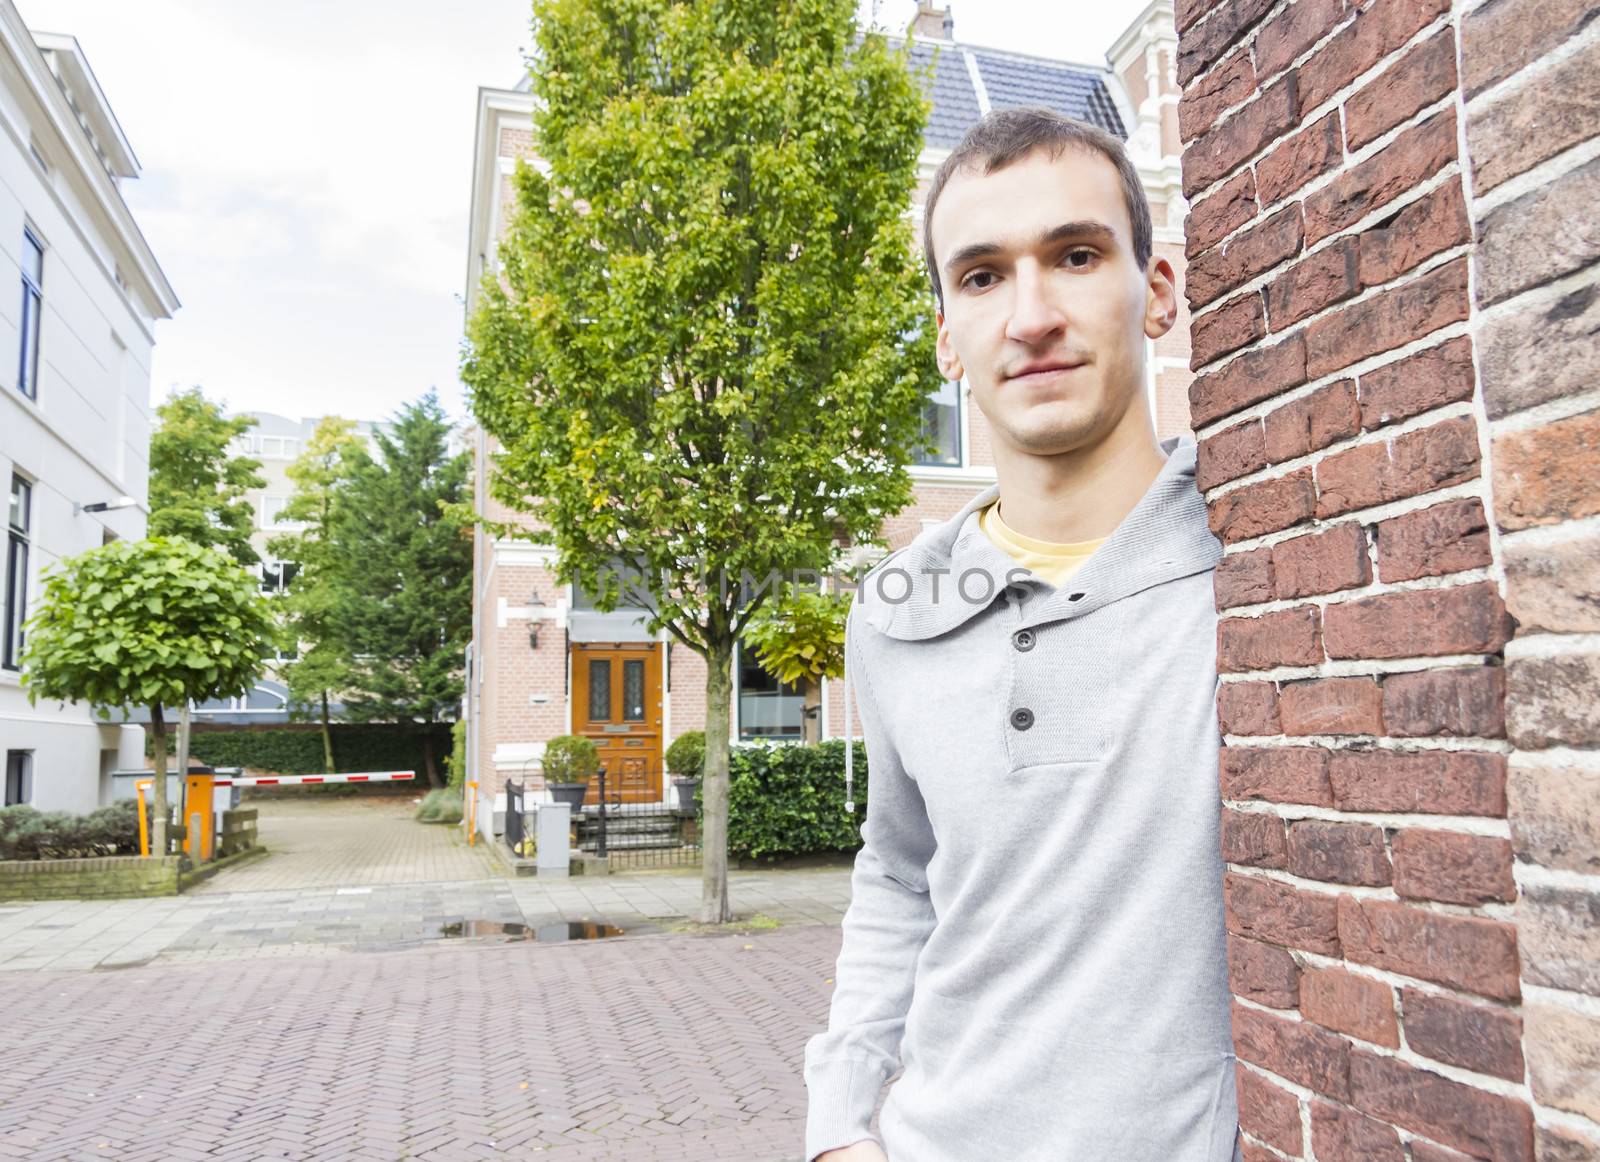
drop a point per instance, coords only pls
(1009, 135)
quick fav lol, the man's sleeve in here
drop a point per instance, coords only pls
(885, 927)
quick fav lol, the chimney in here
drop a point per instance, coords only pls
(932, 23)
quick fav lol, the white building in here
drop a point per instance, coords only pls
(80, 292)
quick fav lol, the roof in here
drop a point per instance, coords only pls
(967, 80)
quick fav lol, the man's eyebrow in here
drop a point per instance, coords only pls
(1082, 228)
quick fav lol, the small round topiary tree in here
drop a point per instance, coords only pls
(686, 757)
(570, 758)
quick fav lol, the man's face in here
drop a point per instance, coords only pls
(1045, 308)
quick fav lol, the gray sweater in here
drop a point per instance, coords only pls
(1035, 934)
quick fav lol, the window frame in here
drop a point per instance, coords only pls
(23, 760)
(19, 542)
(922, 462)
(32, 312)
(739, 732)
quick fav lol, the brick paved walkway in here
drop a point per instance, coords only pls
(669, 1047)
(344, 842)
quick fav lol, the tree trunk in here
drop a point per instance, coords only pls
(327, 737)
(428, 761)
(158, 798)
(714, 906)
(811, 720)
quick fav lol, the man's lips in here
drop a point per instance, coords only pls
(1042, 371)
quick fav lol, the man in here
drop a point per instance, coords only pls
(1035, 934)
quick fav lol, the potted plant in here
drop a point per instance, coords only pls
(686, 760)
(567, 762)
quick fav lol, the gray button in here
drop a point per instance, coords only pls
(1023, 640)
(1075, 597)
(1022, 718)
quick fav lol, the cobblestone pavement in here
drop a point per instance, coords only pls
(329, 841)
(673, 1047)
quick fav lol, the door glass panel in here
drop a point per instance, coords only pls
(599, 689)
(633, 690)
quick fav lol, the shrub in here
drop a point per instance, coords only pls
(787, 799)
(570, 758)
(294, 750)
(26, 833)
(687, 754)
(456, 764)
(443, 805)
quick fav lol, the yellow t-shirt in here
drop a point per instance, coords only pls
(1050, 561)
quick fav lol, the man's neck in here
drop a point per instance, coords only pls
(1080, 495)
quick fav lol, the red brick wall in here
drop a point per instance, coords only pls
(1391, 251)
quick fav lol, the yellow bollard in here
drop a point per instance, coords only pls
(472, 815)
(200, 829)
(144, 827)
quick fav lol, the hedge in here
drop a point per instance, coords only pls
(26, 833)
(788, 799)
(297, 750)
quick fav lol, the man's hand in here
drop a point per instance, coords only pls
(866, 1150)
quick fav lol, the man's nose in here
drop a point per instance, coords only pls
(1034, 313)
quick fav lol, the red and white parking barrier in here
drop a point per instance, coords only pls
(300, 780)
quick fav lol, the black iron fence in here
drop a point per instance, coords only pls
(635, 819)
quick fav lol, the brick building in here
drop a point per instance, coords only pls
(539, 652)
(1392, 272)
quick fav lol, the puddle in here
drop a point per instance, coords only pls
(555, 933)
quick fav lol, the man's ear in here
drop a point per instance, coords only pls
(950, 365)
(1161, 299)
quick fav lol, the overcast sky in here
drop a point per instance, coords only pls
(307, 169)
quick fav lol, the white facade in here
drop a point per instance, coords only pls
(74, 389)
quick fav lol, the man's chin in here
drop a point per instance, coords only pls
(1051, 429)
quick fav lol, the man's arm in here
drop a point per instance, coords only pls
(888, 922)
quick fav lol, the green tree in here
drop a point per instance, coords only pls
(152, 623)
(316, 606)
(694, 353)
(405, 597)
(197, 485)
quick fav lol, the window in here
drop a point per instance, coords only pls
(767, 708)
(19, 777)
(32, 307)
(277, 576)
(272, 514)
(16, 581)
(941, 426)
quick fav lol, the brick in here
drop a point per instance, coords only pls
(1212, 92)
(1292, 31)
(1554, 701)
(1222, 149)
(1331, 706)
(1417, 383)
(1258, 374)
(1315, 283)
(1458, 701)
(1402, 466)
(1219, 214)
(1559, 932)
(1312, 422)
(1296, 1050)
(1540, 353)
(1269, 1112)
(1436, 782)
(1422, 1151)
(1248, 708)
(1452, 867)
(1427, 73)
(1279, 913)
(1403, 164)
(1310, 153)
(1205, 42)
(1231, 453)
(1498, 39)
(1234, 262)
(1263, 973)
(1540, 236)
(1378, 30)
(1341, 853)
(1430, 225)
(1431, 542)
(1555, 588)
(1234, 325)
(1525, 124)
(1564, 1059)
(1482, 1124)
(1265, 506)
(1347, 1003)
(1279, 774)
(1548, 474)
(1243, 578)
(1389, 319)
(1463, 619)
(1470, 1036)
(1288, 637)
(1186, 12)
(1340, 1134)
(1464, 952)
(1253, 838)
(1555, 816)
(1564, 1144)
(1321, 562)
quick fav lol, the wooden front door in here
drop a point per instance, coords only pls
(616, 701)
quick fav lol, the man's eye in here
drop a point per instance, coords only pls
(971, 281)
(1088, 255)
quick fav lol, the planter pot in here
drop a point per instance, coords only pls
(569, 793)
(683, 790)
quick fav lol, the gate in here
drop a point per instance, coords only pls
(634, 835)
